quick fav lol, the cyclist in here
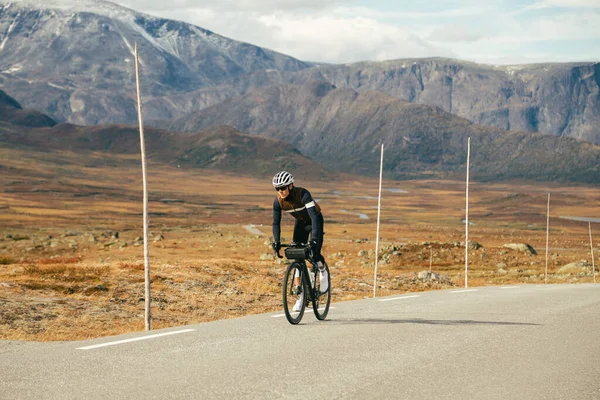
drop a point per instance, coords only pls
(299, 203)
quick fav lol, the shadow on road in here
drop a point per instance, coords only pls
(426, 322)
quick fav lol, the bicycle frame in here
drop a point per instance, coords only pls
(305, 277)
(305, 272)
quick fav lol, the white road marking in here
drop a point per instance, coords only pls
(508, 287)
(401, 298)
(463, 291)
(95, 346)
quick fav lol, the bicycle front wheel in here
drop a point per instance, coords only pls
(322, 301)
(294, 293)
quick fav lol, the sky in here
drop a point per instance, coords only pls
(345, 31)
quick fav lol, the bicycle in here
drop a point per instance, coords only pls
(306, 286)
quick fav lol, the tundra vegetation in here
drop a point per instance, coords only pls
(71, 247)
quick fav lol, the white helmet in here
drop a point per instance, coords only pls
(283, 178)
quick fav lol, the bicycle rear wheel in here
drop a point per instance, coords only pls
(294, 293)
(321, 302)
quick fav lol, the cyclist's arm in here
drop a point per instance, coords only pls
(276, 221)
(309, 203)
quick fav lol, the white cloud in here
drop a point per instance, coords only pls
(374, 13)
(276, 5)
(564, 27)
(574, 26)
(330, 39)
(239, 6)
(453, 33)
(564, 4)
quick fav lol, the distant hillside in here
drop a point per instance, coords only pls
(7, 101)
(340, 128)
(344, 129)
(11, 112)
(222, 148)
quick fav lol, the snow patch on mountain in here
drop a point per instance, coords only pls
(101, 7)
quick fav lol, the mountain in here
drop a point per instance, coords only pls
(561, 99)
(73, 60)
(344, 129)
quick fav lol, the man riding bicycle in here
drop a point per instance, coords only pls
(299, 203)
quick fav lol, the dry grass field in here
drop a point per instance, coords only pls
(71, 254)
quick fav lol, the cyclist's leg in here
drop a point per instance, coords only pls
(300, 232)
(320, 224)
(323, 274)
(300, 236)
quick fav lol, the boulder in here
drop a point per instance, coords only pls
(473, 245)
(576, 267)
(522, 247)
(427, 276)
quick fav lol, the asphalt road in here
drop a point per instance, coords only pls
(516, 342)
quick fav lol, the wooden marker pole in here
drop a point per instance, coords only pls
(547, 236)
(378, 215)
(148, 318)
(592, 249)
(467, 216)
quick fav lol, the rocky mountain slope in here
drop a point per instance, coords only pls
(74, 59)
(344, 129)
(559, 99)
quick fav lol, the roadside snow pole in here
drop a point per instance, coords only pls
(430, 258)
(592, 249)
(145, 185)
(547, 236)
(467, 216)
(378, 215)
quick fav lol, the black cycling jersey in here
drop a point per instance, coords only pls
(300, 204)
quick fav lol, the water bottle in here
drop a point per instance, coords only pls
(312, 278)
